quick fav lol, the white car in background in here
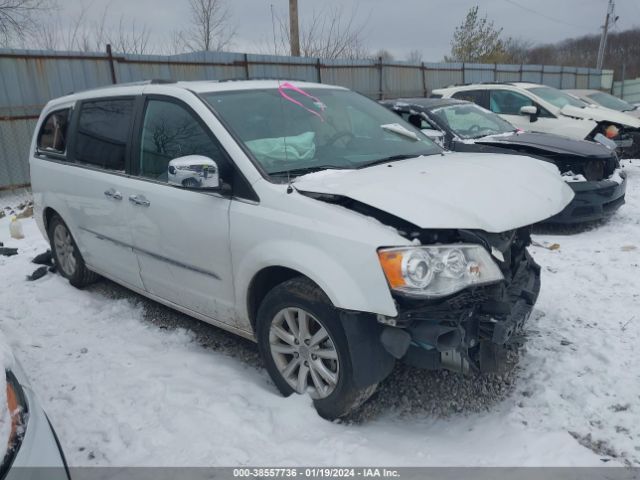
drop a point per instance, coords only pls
(539, 108)
(604, 99)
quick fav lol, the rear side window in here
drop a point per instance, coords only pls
(479, 97)
(52, 138)
(103, 133)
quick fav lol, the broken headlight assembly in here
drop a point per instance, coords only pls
(439, 270)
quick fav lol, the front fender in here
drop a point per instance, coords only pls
(575, 128)
(352, 280)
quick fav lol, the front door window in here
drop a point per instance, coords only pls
(170, 131)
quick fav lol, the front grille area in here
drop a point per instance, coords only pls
(592, 169)
(473, 328)
(477, 310)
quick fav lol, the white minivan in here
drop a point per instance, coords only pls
(303, 216)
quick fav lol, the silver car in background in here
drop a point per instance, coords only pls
(604, 99)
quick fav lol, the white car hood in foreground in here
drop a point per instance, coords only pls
(600, 114)
(482, 191)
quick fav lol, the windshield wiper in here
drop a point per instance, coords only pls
(295, 172)
(392, 158)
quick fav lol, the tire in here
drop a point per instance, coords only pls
(634, 150)
(67, 257)
(300, 302)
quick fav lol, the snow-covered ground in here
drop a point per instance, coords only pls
(122, 390)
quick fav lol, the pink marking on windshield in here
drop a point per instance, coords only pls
(316, 100)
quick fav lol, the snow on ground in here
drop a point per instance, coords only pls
(121, 390)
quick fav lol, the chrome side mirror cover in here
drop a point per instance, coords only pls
(195, 172)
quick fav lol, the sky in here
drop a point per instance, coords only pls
(398, 26)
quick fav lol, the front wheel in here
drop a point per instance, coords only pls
(305, 349)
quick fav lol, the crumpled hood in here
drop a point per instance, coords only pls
(541, 143)
(600, 114)
(489, 192)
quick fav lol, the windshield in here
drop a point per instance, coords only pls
(289, 130)
(471, 121)
(557, 97)
(609, 101)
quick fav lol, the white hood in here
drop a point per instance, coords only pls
(481, 191)
(600, 114)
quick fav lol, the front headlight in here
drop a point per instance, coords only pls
(438, 270)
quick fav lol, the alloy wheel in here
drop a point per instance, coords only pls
(65, 250)
(304, 352)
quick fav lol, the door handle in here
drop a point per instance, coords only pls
(139, 200)
(113, 193)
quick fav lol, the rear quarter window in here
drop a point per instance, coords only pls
(103, 132)
(52, 137)
(479, 97)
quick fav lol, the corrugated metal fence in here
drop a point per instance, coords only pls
(628, 90)
(29, 78)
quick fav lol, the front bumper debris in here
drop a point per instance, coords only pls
(470, 330)
(593, 201)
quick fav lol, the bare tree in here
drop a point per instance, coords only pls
(81, 34)
(129, 38)
(414, 56)
(330, 33)
(622, 48)
(68, 33)
(211, 29)
(517, 50)
(383, 54)
(18, 18)
(173, 44)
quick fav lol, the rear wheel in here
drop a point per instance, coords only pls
(67, 257)
(305, 349)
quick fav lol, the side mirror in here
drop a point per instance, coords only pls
(435, 135)
(530, 110)
(195, 172)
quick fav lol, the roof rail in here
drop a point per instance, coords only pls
(161, 81)
(478, 83)
(153, 81)
(244, 79)
(165, 81)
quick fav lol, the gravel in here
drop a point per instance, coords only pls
(407, 391)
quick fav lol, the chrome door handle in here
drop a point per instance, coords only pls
(139, 200)
(113, 193)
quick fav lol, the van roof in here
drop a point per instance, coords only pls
(199, 86)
